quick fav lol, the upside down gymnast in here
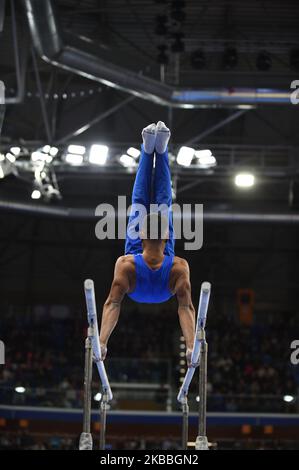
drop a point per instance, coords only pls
(149, 272)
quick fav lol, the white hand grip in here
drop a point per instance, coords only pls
(200, 323)
(93, 323)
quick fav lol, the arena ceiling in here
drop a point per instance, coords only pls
(218, 44)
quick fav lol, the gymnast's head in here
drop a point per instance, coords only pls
(154, 229)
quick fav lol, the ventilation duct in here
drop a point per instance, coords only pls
(52, 47)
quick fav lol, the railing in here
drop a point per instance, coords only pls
(147, 397)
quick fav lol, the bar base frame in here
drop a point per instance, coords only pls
(201, 443)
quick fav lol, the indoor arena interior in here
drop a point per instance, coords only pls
(118, 117)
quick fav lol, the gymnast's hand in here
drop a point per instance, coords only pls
(188, 356)
(103, 351)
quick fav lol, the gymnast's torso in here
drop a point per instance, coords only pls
(151, 280)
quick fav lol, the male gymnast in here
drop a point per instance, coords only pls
(149, 272)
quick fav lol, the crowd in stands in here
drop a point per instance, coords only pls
(24, 440)
(247, 364)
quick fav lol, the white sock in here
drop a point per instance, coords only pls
(162, 137)
(149, 138)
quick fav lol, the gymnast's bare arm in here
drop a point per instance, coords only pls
(186, 311)
(111, 310)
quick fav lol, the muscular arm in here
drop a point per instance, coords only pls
(111, 309)
(186, 310)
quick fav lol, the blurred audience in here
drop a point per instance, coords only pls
(249, 368)
(26, 441)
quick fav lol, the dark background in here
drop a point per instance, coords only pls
(44, 257)
(49, 257)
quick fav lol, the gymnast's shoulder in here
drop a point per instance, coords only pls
(180, 264)
(179, 274)
(125, 263)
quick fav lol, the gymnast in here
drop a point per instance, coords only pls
(149, 272)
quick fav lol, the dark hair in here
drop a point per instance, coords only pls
(155, 226)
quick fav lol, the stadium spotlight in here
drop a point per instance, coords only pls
(288, 398)
(15, 150)
(77, 149)
(37, 156)
(185, 156)
(45, 154)
(74, 158)
(205, 158)
(46, 148)
(98, 154)
(10, 157)
(36, 194)
(127, 161)
(53, 151)
(244, 180)
(133, 152)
